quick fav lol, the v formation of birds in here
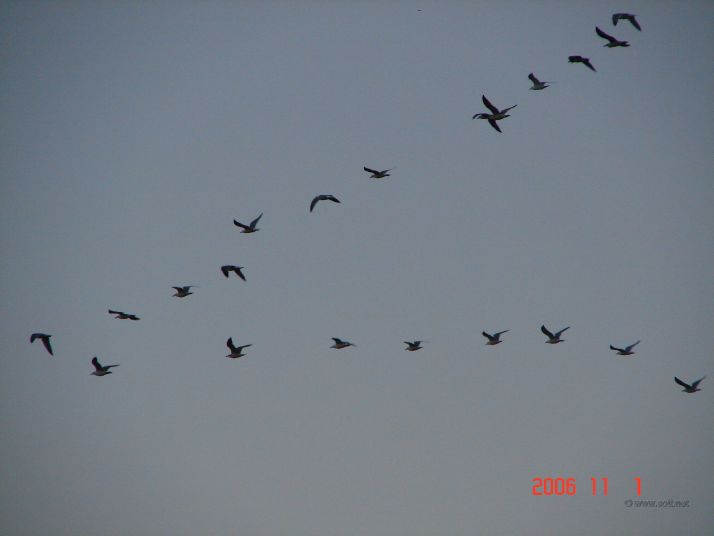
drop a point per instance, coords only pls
(494, 115)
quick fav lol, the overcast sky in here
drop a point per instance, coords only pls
(132, 134)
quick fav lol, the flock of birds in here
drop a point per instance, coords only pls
(493, 117)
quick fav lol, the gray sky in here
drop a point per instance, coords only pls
(132, 134)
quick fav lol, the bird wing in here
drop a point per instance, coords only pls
(239, 272)
(546, 332)
(34, 336)
(337, 341)
(488, 104)
(493, 123)
(586, 61)
(96, 364)
(694, 384)
(112, 312)
(604, 35)
(634, 22)
(616, 349)
(255, 221)
(632, 346)
(558, 334)
(241, 225)
(371, 170)
(501, 333)
(533, 79)
(178, 289)
(615, 18)
(314, 202)
(489, 337)
(48, 346)
(509, 108)
(230, 345)
(680, 382)
(332, 198)
(226, 270)
(240, 348)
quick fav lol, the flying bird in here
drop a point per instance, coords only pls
(45, 341)
(251, 228)
(123, 316)
(323, 197)
(378, 174)
(228, 268)
(625, 16)
(584, 61)
(612, 42)
(553, 339)
(99, 369)
(182, 292)
(495, 338)
(689, 388)
(625, 351)
(236, 351)
(537, 84)
(413, 346)
(339, 343)
(495, 115)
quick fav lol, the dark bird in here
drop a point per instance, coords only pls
(123, 316)
(553, 339)
(689, 388)
(537, 84)
(625, 16)
(626, 350)
(339, 343)
(495, 338)
(378, 174)
(248, 228)
(45, 340)
(228, 268)
(99, 369)
(611, 41)
(413, 346)
(495, 115)
(182, 292)
(236, 351)
(323, 197)
(580, 59)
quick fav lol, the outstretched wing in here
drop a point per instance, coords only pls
(230, 345)
(241, 225)
(634, 22)
(546, 332)
(239, 272)
(96, 364)
(226, 270)
(255, 221)
(371, 170)
(694, 384)
(629, 348)
(558, 334)
(488, 105)
(533, 79)
(589, 65)
(680, 382)
(493, 123)
(604, 35)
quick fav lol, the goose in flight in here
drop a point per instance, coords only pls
(99, 369)
(611, 41)
(323, 197)
(236, 351)
(553, 339)
(182, 292)
(45, 341)
(584, 61)
(495, 115)
(228, 268)
(625, 16)
(121, 315)
(689, 388)
(413, 346)
(626, 350)
(251, 228)
(378, 174)
(537, 84)
(495, 338)
(339, 343)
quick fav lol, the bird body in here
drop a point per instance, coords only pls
(581, 59)
(238, 270)
(495, 338)
(99, 369)
(123, 316)
(625, 351)
(251, 227)
(553, 338)
(45, 341)
(339, 343)
(236, 351)
(689, 388)
(611, 41)
(323, 197)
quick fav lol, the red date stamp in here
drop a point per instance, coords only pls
(568, 486)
